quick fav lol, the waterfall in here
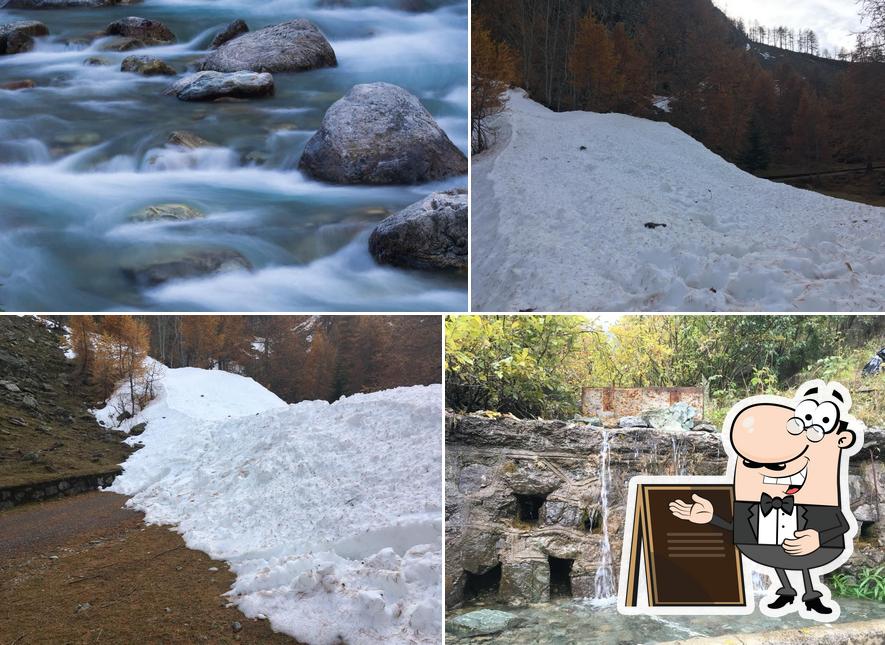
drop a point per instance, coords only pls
(678, 460)
(604, 584)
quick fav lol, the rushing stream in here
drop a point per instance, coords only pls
(86, 148)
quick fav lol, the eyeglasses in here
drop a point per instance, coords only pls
(813, 433)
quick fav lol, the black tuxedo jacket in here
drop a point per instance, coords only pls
(828, 521)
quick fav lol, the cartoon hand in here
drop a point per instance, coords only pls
(701, 512)
(804, 543)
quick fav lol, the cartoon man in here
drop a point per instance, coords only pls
(789, 462)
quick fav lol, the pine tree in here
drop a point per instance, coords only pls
(757, 151)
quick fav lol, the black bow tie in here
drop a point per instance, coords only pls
(768, 502)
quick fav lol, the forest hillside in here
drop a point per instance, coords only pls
(766, 98)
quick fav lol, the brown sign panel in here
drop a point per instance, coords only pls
(686, 564)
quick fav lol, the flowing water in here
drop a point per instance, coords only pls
(593, 623)
(85, 149)
(603, 584)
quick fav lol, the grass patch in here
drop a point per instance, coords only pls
(868, 584)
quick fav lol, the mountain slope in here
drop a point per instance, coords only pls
(46, 431)
(566, 215)
(306, 502)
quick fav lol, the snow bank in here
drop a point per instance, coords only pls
(329, 514)
(556, 227)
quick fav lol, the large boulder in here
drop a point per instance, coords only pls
(24, 84)
(237, 28)
(18, 37)
(65, 4)
(209, 86)
(187, 265)
(147, 66)
(429, 234)
(679, 416)
(379, 133)
(294, 46)
(150, 32)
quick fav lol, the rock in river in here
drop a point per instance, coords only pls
(150, 32)
(147, 66)
(188, 140)
(24, 84)
(482, 623)
(209, 86)
(188, 265)
(166, 212)
(430, 234)
(18, 37)
(379, 133)
(237, 28)
(294, 46)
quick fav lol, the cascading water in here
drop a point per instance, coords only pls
(87, 147)
(604, 587)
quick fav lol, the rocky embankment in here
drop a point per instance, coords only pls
(525, 496)
(50, 443)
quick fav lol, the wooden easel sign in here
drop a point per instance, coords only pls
(674, 567)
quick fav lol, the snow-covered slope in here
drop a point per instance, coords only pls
(329, 514)
(558, 227)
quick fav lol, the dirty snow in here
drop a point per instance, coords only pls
(560, 228)
(328, 514)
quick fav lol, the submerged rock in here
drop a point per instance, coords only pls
(24, 84)
(18, 37)
(150, 32)
(121, 44)
(379, 133)
(147, 66)
(429, 234)
(294, 46)
(237, 28)
(192, 265)
(96, 61)
(189, 140)
(166, 212)
(209, 86)
(482, 623)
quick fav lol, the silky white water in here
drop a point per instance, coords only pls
(86, 148)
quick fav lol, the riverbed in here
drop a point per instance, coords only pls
(597, 622)
(87, 147)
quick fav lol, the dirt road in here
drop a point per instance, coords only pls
(85, 570)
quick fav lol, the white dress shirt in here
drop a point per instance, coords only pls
(777, 526)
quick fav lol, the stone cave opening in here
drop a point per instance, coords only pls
(482, 584)
(529, 507)
(560, 577)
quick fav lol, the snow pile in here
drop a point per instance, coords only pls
(189, 393)
(329, 514)
(567, 211)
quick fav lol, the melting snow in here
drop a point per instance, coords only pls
(329, 514)
(567, 211)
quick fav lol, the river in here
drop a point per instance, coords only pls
(86, 148)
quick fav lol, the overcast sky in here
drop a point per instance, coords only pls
(834, 21)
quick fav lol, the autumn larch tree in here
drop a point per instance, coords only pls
(493, 70)
(593, 65)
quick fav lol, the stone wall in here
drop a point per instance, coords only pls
(499, 470)
(16, 495)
